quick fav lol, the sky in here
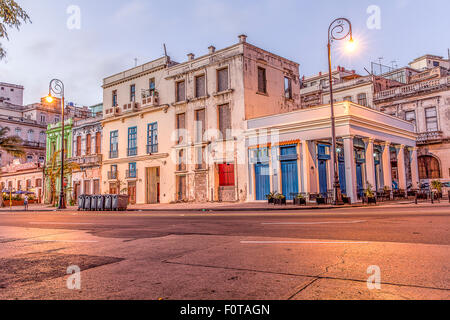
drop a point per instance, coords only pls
(109, 35)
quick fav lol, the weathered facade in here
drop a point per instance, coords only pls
(87, 153)
(425, 101)
(174, 131)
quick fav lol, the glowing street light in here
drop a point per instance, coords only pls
(56, 87)
(339, 29)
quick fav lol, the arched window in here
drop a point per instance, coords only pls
(429, 168)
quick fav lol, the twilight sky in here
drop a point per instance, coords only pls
(114, 32)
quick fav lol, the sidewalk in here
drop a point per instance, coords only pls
(230, 207)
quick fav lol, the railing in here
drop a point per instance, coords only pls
(413, 88)
(427, 137)
(132, 152)
(33, 144)
(113, 154)
(131, 174)
(112, 175)
(151, 149)
(150, 98)
(89, 160)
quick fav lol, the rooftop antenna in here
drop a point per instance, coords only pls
(135, 62)
(381, 67)
(394, 64)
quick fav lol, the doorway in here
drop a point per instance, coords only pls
(152, 185)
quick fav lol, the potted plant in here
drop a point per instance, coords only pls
(369, 195)
(280, 199)
(300, 200)
(270, 197)
(320, 199)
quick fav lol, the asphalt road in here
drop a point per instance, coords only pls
(251, 255)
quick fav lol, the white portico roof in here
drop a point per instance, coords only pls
(351, 120)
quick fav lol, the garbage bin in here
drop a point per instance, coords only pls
(87, 203)
(108, 202)
(119, 202)
(100, 203)
(81, 202)
(94, 203)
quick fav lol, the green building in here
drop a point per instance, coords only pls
(53, 144)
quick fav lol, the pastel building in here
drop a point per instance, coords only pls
(290, 153)
(174, 131)
(55, 140)
(87, 153)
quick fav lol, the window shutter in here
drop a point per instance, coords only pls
(222, 76)
(200, 88)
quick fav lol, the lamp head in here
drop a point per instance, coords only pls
(351, 45)
(49, 99)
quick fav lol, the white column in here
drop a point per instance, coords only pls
(350, 168)
(370, 163)
(401, 167)
(387, 168)
(306, 167)
(414, 168)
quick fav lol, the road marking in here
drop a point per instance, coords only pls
(65, 241)
(61, 223)
(303, 242)
(313, 223)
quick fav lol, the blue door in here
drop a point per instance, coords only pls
(262, 181)
(342, 179)
(359, 181)
(323, 179)
(289, 178)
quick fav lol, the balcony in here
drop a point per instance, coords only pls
(111, 112)
(131, 107)
(131, 174)
(430, 137)
(33, 144)
(112, 175)
(88, 161)
(113, 154)
(412, 89)
(150, 98)
(132, 152)
(151, 149)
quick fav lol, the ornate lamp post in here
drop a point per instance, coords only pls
(56, 88)
(339, 30)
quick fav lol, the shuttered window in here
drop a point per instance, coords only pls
(98, 143)
(181, 91)
(224, 120)
(222, 80)
(79, 146)
(88, 144)
(200, 87)
(262, 81)
(200, 125)
(181, 125)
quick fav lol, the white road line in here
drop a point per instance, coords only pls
(312, 223)
(61, 223)
(303, 242)
(65, 241)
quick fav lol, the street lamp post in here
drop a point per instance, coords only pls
(57, 88)
(339, 29)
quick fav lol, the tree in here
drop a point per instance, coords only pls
(11, 16)
(53, 172)
(12, 145)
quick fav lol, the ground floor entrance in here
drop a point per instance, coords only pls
(152, 188)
